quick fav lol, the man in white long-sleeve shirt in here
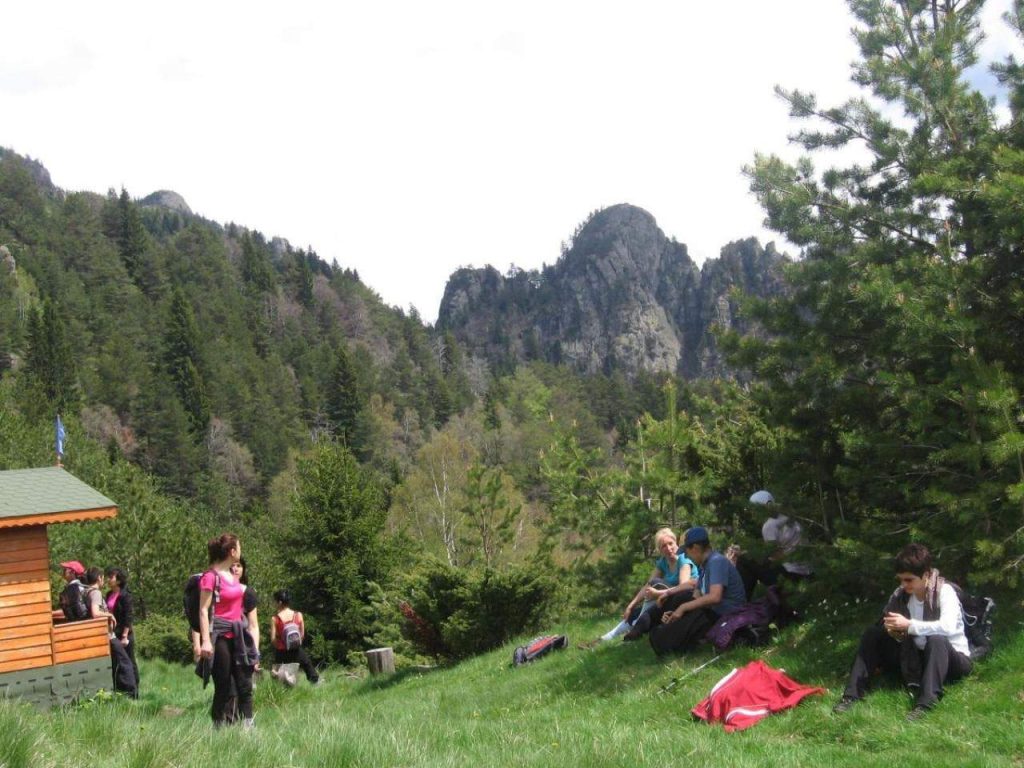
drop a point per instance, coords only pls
(921, 635)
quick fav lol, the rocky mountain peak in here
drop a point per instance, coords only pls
(165, 198)
(623, 296)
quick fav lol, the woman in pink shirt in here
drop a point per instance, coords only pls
(224, 636)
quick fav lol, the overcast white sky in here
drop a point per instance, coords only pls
(407, 138)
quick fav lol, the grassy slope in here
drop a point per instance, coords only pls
(575, 708)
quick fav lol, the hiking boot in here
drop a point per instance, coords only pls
(845, 704)
(917, 713)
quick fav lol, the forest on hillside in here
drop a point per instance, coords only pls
(211, 379)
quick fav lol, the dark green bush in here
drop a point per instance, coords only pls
(457, 613)
(163, 637)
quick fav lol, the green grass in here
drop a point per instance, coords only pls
(574, 708)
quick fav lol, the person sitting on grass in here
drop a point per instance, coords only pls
(921, 636)
(782, 535)
(674, 574)
(719, 592)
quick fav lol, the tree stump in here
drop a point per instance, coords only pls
(380, 660)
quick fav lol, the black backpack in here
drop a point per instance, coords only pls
(538, 647)
(72, 602)
(978, 614)
(190, 600)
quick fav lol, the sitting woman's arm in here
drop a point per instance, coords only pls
(640, 596)
(685, 582)
(637, 600)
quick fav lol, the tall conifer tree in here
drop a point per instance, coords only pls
(49, 361)
(882, 365)
(343, 402)
(183, 362)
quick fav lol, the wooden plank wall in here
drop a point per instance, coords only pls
(80, 640)
(25, 618)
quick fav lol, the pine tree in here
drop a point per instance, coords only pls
(343, 401)
(883, 366)
(132, 239)
(169, 447)
(304, 279)
(489, 513)
(50, 364)
(182, 361)
(257, 270)
(333, 545)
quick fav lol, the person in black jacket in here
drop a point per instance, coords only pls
(122, 605)
(72, 597)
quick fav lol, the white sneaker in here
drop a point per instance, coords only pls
(621, 629)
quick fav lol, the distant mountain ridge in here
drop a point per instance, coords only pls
(271, 338)
(623, 296)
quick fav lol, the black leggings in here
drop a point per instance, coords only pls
(225, 672)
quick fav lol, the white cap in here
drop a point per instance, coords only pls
(762, 497)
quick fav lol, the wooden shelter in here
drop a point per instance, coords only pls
(43, 658)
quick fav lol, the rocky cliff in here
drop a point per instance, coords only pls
(623, 296)
(165, 198)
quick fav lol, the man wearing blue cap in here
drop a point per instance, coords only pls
(719, 593)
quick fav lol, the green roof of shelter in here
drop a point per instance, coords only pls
(46, 491)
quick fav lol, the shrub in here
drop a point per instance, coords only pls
(456, 613)
(163, 637)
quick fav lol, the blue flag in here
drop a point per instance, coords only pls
(61, 435)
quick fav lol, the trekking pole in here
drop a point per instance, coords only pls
(676, 680)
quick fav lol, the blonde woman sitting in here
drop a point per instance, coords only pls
(670, 584)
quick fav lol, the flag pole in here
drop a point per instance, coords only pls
(59, 436)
